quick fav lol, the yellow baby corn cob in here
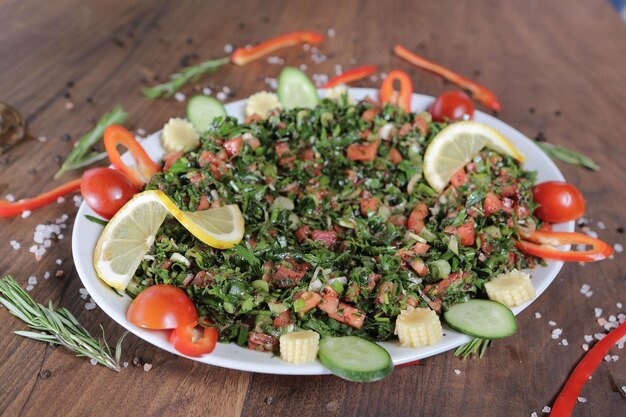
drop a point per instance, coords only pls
(511, 289)
(262, 104)
(299, 347)
(417, 327)
(179, 135)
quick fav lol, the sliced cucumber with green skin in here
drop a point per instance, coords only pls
(355, 359)
(481, 318)
(201, 110)
(295, 90)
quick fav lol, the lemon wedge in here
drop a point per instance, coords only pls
(456, 145)
(129, 235)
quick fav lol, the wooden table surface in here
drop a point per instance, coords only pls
(558, 67)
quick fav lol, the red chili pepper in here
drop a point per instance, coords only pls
(354, 74)
(13, 209)
(541, 244)
(565, 402)
(400, 98)
(242, 56)
(139, 174)
(479, 92)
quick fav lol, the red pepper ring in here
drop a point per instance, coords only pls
(567, 398)
(242, 56)
(139, 174)
(541, 244)
(401, 98)
(184, 340)
(8, 209)
(354, 74)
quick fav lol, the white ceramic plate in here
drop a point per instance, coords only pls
(86, 233)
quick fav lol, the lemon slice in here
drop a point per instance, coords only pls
(129, 235)
(456, 145)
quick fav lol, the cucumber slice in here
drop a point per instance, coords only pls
(295, 90)
(481, 318)
(201, 110)
(355, 359)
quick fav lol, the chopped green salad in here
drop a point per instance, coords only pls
(335, 204)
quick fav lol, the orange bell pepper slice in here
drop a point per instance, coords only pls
(13, 209)
(145, 167)
(242, 56)
(541, 244)
(354, 74)
(401, 98)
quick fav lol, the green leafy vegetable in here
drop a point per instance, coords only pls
(187, 74)
(96, 220)
(477, 348)
(82, 155)
(56, 326)
(568, 156)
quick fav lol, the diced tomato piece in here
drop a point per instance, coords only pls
(492, 204)
(353, 292)
(252, 142)
(521, 211)
(466, 233)
(222, 156)
(365, 152)
(369, 114)
(342, 312)
(286, 161)
(286, 277)
(326, 237)
(420, 248)
(307, 155)
(405, 129)
(262, 342)
(458, 178)
(352, 176)
(419, 267)
(281, 148)
(302, 233)
(507, 205)
(311, 299)
(283, 319)
(369, 205)
(398, 220)
(328, 304)
(203, 204)
(233, 146)
(170, 158)
(372, 280)
(253, 118)
(195, 177)
(421, 125)
(395, 156)
(207, 158)
(509, 190)
(365, 134)
(417, 216)
(442, 286)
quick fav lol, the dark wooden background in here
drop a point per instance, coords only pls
(559, 67)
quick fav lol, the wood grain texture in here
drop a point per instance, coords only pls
(558, 67)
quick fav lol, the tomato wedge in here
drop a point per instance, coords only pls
(185, 340)
(162, 307)
(139, 174)
(402, 98)
(541, 244)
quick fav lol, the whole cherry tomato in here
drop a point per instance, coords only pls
(185, 340)
(162, 307)
(452, 106)
(559, 201)
(106, 190)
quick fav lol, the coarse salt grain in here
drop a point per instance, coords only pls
(546, 409)
(552, 323)
(180, 96)
(588, 294)
(32, 280)
(25, 214)
(331, 33)
(303, 67)
(46, 275)
(59, 261)
(207, 91)
(125, 364)
(585, 347)
(228, 48)
(618, 305)
(564, 342)
(42, 139)
(601, 321)
(275, 60)
(15, 244)
(221, 96)
(585, 288)
(618, 248)
(29, 288)
(601, 225)
(83, 293)
(147, 367)
(597, 311)
(556, 333)
(458, 372)
(78, 200)
(537, 315)
(271, 82)
(599, 336)
(94, 362)
(607, 358)
(91, 305)
(60, 200)
(588, 338)
(582, 400)
(615, 358)
(9, 198)
(533, 414)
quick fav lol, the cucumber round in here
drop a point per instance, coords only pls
(201, 110)
(481, 318)
(355, 359)
(295, 90)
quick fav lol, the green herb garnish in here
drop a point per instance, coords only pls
(568, 156)
(82, 155)
(477, 348)
(96, 220)
(56, 326)
(187, 74)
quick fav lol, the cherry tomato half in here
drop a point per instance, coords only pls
(162, 307)
(106, 190)
(452, 106)
(560, 201)
(185, 340)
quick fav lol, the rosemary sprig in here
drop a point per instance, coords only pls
(96, 220)
(476, 347)
(568, 156)
(178, 80)
(79, 158)
(57, 326)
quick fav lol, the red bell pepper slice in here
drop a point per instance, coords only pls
(183, 339)
(541, 244)
(139, 174)
(242, 56)
(479, 92)
(354, 74)
(13, 209)
(400, 98)
(566, 400)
